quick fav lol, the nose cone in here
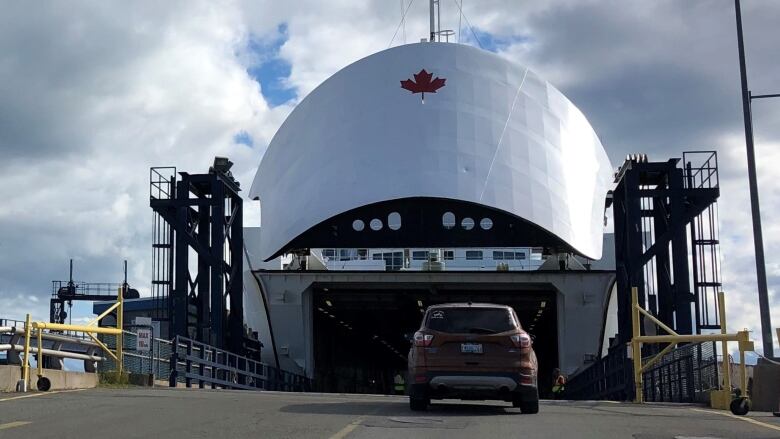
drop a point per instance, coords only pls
(490, 132)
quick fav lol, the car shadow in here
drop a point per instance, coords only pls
(398, 408)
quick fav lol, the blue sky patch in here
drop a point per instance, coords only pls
(243, 138)
(489, 41)
(270, 70)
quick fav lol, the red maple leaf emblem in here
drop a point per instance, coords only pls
(423, 83)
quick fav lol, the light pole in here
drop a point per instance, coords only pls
(758, 238)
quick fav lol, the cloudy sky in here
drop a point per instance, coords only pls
(94, 93)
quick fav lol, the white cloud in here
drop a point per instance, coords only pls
(108, 92)
(739, 275)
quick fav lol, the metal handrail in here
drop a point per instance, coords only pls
(703, 175)
(161, 186)
(205, 364)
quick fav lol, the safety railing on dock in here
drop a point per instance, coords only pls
(685, 374)
(201, 365)
(609, 378)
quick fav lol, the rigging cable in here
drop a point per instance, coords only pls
(403, 17)
(479, 43)
(403, 21)
(460, 18)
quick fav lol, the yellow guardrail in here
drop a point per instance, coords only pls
(719, 399)
(90, 329)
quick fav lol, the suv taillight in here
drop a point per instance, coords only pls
(422, 339)
(521, 340)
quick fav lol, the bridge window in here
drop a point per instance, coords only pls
(486, 223)
(375, 224)
(358, 225)
(473, 255)
(329, 253)
(420, 255)
(508, 256)
(346, 254)
(448, 220)
(393, 260)
(449, 255)
(467, 223)
(394, 221)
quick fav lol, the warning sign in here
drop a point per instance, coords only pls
(144, 343)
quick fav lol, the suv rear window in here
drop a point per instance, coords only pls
(470, 320)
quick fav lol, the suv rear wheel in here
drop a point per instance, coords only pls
(418, 404)
(526, 407)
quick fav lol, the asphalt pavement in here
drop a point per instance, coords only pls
(183, 413)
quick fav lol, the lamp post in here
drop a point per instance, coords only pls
(758, 239)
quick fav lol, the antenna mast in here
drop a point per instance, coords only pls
(435, 16)
(433, 3)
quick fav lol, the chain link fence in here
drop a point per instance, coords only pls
(156, 361)
(684, 374)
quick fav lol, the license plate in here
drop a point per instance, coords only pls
(471, 348)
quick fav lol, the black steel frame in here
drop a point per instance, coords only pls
(656, 205)
(202, 213)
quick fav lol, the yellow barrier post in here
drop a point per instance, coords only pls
(40, 353)
(636, 348)
(120, 326)
(724, 343)
(26, 364)
(742, 371)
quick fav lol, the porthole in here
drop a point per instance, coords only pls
(486, 223)
(375, 224)
(448, 220)
(467, 223)
(394, 220)
(358, 225)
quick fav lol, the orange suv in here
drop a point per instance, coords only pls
(473, 352)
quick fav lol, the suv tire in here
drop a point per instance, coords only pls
(529, 407)
(418, 404)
